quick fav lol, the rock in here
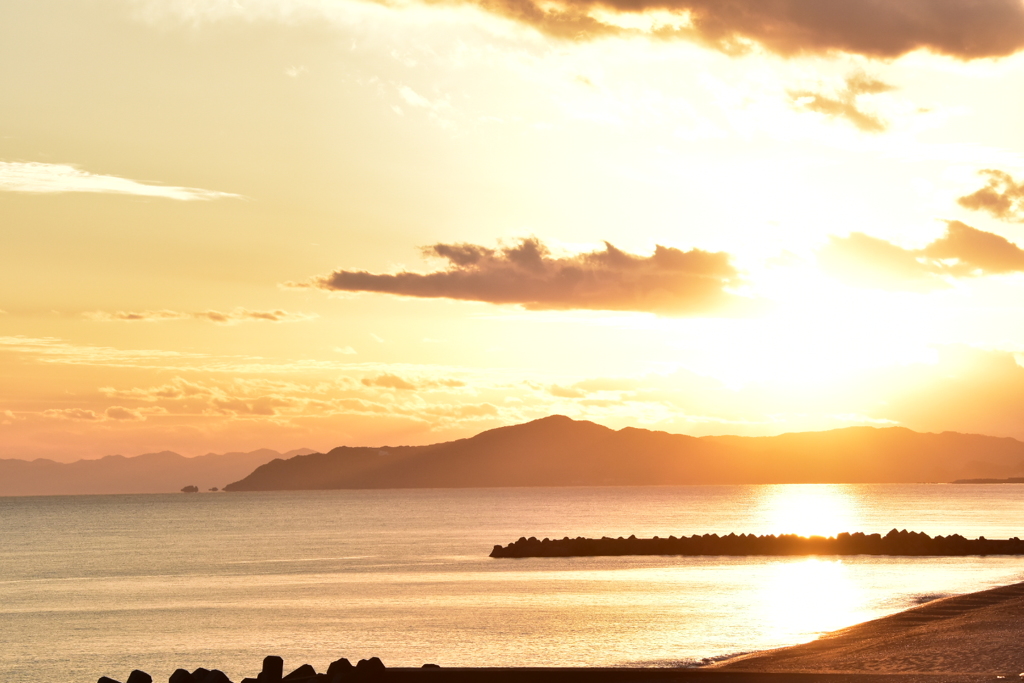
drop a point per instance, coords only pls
(105, 679)
(180, 676)
(217, 676)
(431, 666)
(338, 669)
(369, 669)
(200, 675)
(137, 676)
(273, 668)
(190, 489)
(303, 673)
(371, 664)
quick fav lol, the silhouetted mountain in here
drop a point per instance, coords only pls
(164, 472)
(559, 451)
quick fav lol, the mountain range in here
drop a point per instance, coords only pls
(559, 451)
(163, 472)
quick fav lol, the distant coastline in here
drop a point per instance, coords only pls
(1011, 480)
(559, 451)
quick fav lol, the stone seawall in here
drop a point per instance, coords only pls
(894, 543)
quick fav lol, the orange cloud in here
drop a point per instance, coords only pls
(1002, 197)
(963, 251)
(122, 413)
(234, 317)
(965, 29)
(843, 104)
(669, 282)
(389, 381)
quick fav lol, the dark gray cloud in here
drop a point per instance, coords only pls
(1002, 196)
(962, 251)
(669, 282)
(965, 29)
(843, 104)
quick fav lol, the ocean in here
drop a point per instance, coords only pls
(99, 585)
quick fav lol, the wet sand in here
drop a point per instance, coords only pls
(975, 633)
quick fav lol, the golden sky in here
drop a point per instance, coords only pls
(233, 224)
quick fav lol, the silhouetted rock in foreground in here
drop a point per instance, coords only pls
(180, 676)
(273, 670)
(894, 543)
(303, 673)
(340, 671)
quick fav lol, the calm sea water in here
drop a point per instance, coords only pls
(98, 585)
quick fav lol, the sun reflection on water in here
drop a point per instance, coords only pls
(802, 599)
(808, 509)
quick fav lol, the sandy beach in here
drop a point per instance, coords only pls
(975, 633)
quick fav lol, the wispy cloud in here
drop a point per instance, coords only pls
(843, 103)
(1002, 196)
(669, 282)
(962, 251)
(238, 315)
(391, 381)
(35, 177)
(113, 413)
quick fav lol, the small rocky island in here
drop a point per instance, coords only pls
(894, 543)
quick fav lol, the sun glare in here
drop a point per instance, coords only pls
(801, 600)
(808, 509)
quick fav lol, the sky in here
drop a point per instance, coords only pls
(236, 224)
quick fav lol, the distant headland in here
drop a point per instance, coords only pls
(895, 543)
(559, 451)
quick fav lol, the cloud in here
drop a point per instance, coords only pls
(962, 251)
(389, 381)
(236, 316)
(566, 392)
(242, 315)
(133, 316)
(1002, 197)
(74, 414)
(844, 103)
(964, 29)
(669, 282)
(974, 252)
(123, 414)
(38, 177)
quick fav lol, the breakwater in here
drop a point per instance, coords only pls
(340, 671)
(894, 543)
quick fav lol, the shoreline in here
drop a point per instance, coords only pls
(979, 633)
(967, 638)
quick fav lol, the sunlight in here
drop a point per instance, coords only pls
(808, 509)
(801, 600)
